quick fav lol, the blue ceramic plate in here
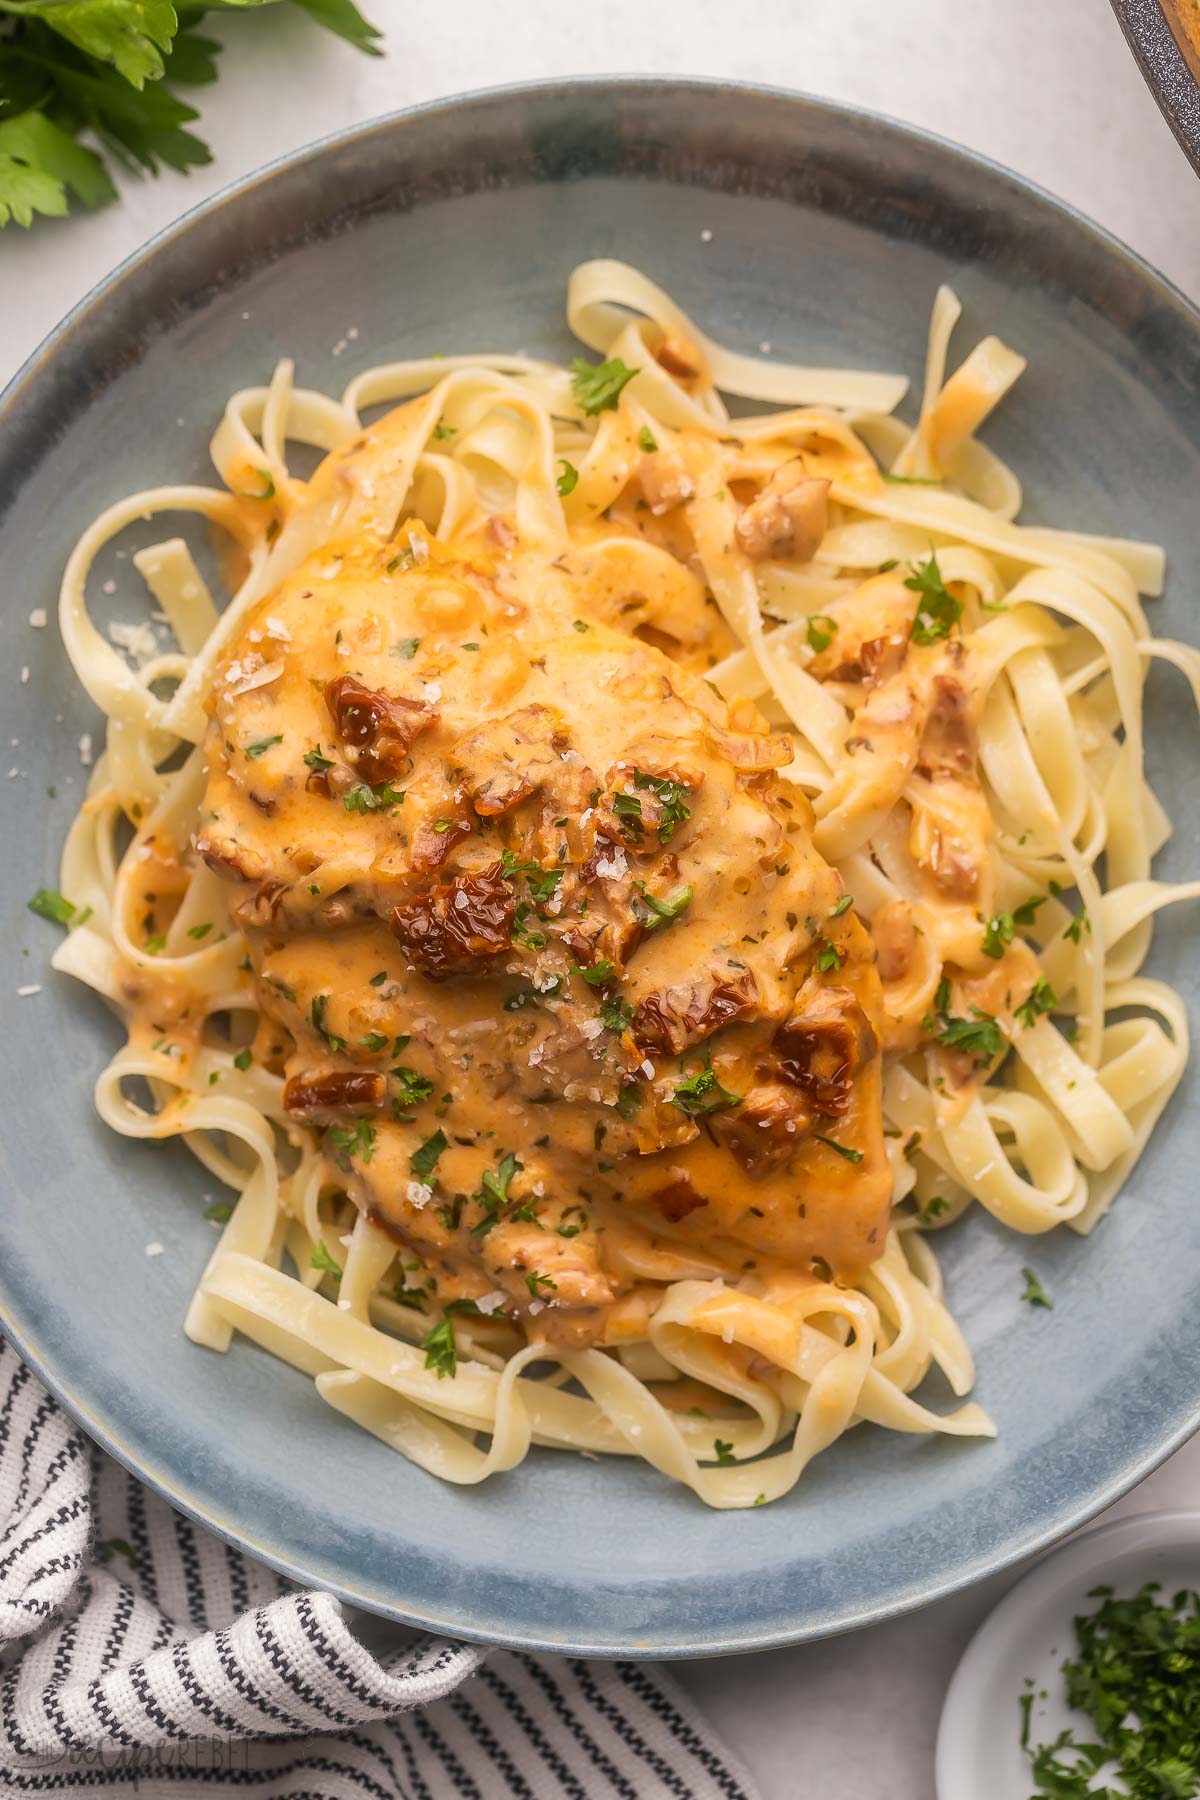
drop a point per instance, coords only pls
(456, 226)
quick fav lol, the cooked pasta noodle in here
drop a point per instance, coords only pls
(876, 743)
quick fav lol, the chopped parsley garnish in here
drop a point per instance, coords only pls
(630, 1100)
(647, 440)
(316, 1014)
(442, 432)
(199, 931)
(375, 1041)
(723, 1451)
(938, 612)
(843, 905)
(597, 386)
(413, 1087)
(909, 480)
(363, 798)
(598, 974)
(1136, 1676)
(568, 481)
(565, 1228)
(851, 1156)
(1035, 1293)
(933, 1208)
(537, 1284)
(316, 759)
(321, 1259)
(533, 940)
(820, 631)
(1041, 999)
(424, 1159)
(378, 979)
(493, 1193)
(263, 745)
(405, 648)
(662, 912)
(441, 1351)
(616, 1014)
(979, 1036)
(219, 1212)
(543, 883)
(628, 809)
(243, 1059)
(1079, 924)
(268, 491)
(581, 625)
(999, 930)
(358, 1140)
(153, 945)
(47, 903)
(702, 1093)
(672, 797)
(829, 958)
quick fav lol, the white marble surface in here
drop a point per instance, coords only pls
(1046, 86)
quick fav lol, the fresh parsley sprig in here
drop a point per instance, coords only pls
(109, 69)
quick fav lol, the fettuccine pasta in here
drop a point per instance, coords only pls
(613, 877)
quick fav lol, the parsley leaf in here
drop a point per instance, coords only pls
(413, 1087)
(597, 386)
(262, 746)
(424, 1159)
(938, 612)
(851, 1156)
(980, 1036)
(829, 958)
(820, 631)
(358, 1140)
(321, 1259)
(1041, 999)
(702, 1093)
(441, 1350)
(662, 912)
(108, 67)
(538, 1283)
(647, 440)
(598, 974)
(48, 903)
(568, 481)
(1000, 928)
(671, 796)
(616, 1014)
(362, 798)
(1035, 1293)
(723, 1451)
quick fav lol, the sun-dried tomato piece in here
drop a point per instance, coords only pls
(455, 924)
(948, 743)
(762, 1132)
(677, 1199)
(819, 1048)
(333, 1093)
(264, 904)
(377, 730)
(676, 1017)
(434, 839)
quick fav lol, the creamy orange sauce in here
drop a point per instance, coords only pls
(539, 932)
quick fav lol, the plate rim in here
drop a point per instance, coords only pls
(172, 1488)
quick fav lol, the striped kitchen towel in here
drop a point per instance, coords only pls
(139, 1653)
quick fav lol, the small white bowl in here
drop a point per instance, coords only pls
(1028, 1636)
